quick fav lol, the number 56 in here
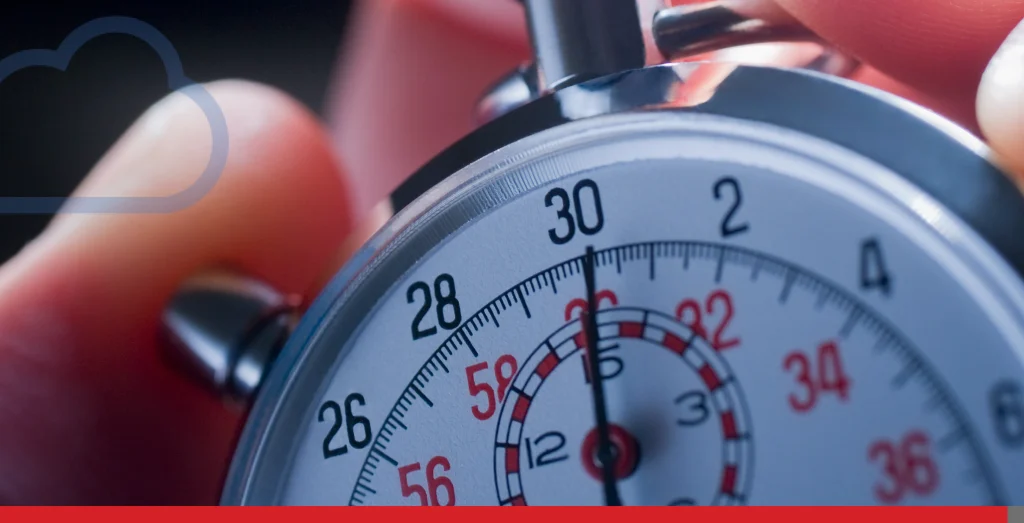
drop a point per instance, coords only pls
(435, 482)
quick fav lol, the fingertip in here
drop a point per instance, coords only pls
(501, 20)
(409, 80)
(80, 306)
(1001, 101)
(937, 48)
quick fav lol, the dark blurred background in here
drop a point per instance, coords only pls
(55, 126)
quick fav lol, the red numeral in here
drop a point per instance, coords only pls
(581, 305)
(504, 370)
(908, 467)
(690, 313)
(828, 377)
(435, 483)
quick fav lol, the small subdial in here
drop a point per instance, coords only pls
(680, 430)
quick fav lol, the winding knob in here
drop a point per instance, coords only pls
(226, 330)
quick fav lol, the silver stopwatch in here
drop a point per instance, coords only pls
(680, 284)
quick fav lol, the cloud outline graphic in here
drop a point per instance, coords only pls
(60, 58)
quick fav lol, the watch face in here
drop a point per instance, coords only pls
(777, 319)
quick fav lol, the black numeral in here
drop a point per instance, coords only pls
(350, 420)
(680, 502)
(578, 220)
(609, 366)
(353, 420)
(696, 410)
(873, 274)
(1007, 405)
(410, 295)
(728, 228)
(547, 456)
(447, 305)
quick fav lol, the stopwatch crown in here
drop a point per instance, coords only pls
(575, 41)
(226, 330)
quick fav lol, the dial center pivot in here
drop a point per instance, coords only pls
(625, 449)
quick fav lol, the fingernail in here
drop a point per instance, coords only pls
(1001, 100)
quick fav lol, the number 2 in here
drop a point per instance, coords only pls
(727, 227)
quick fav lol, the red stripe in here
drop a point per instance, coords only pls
(519, 501)
(674, 343)
(729, 480)
(511, 460)
(631, 329)
(547, 365)
(519, 412)
(581, 340)
(729, 426)
(710, 378)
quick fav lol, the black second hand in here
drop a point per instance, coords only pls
(604, 450)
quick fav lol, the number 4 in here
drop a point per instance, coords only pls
(873, 273)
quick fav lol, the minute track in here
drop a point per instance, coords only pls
(727, 259)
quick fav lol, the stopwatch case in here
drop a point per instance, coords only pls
(943, 160)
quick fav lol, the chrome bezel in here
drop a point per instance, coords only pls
(945, 162)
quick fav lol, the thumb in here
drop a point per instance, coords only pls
(90, 413)
(1001, 101)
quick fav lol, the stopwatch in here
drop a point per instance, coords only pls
(688, 283)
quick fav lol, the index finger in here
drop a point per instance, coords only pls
(411, 73)
(938, 48)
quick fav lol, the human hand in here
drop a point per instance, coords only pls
(90, 413)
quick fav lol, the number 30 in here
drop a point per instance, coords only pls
(577, 219)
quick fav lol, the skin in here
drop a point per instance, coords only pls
(92, 415)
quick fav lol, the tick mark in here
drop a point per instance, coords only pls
(952, 439)
(422, 396)
(721, 265)
(822, 299)
(520, 392)
(550, 347)
(903, 376)
(441, 363)
(651, 268)
(851, 322)
(387, 458)
(465, 339)
(787, 286)
(522, 301)
(494, 317)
